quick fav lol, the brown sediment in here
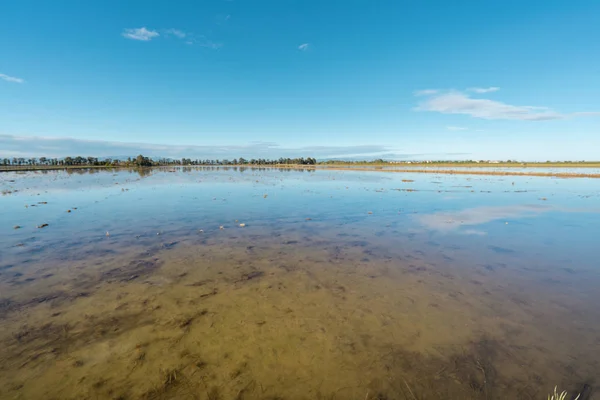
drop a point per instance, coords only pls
(312, 319)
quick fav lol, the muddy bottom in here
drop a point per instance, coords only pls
(211, 283)
(293, 317)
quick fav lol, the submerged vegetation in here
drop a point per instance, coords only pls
(222, 287)
(561, 396)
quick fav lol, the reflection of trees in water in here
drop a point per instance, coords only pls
(148, 171)
(243, 169)
(81, 171)
(142, 172)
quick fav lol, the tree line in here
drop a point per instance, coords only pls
(141, 161)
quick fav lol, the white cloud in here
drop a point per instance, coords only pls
(189, 38)
(176, 32)
(142, 34)
(304, 46)
(11, 79)
(484, 90)
(426, 92)
(460, 103)
(454, 102)
(456, 128)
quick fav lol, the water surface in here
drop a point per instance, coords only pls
(339, 285)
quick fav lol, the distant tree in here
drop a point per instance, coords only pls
(142, 161)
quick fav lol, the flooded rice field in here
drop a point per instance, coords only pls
(516, 170)
(207, 283)
(525, 169)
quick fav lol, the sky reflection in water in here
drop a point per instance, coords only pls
(520, 212)
(334, 273)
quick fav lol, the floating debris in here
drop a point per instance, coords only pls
(370, 212)
(42, 226)
(265, 196)
(242, 225)
(107, 234)
(221, 227)
(308, 219)
(16, 227)
(68, 211)
(200, 230)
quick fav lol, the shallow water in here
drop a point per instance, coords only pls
(536, 168)
(341, 285)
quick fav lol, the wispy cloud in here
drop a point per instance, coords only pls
(222, 19)
(484, 90)
(31, 146)
(454, 102)
(203, 41)
(425, 92)
(142, 34)
(456, 128)
(586, 113)
(176, 32)
(189, 38)
(12, 79)
(304, 47)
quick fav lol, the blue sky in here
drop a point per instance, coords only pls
(328, 78)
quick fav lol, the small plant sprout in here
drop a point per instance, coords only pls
(562, 396)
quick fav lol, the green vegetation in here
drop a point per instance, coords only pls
(15, 163)
(139, 161)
